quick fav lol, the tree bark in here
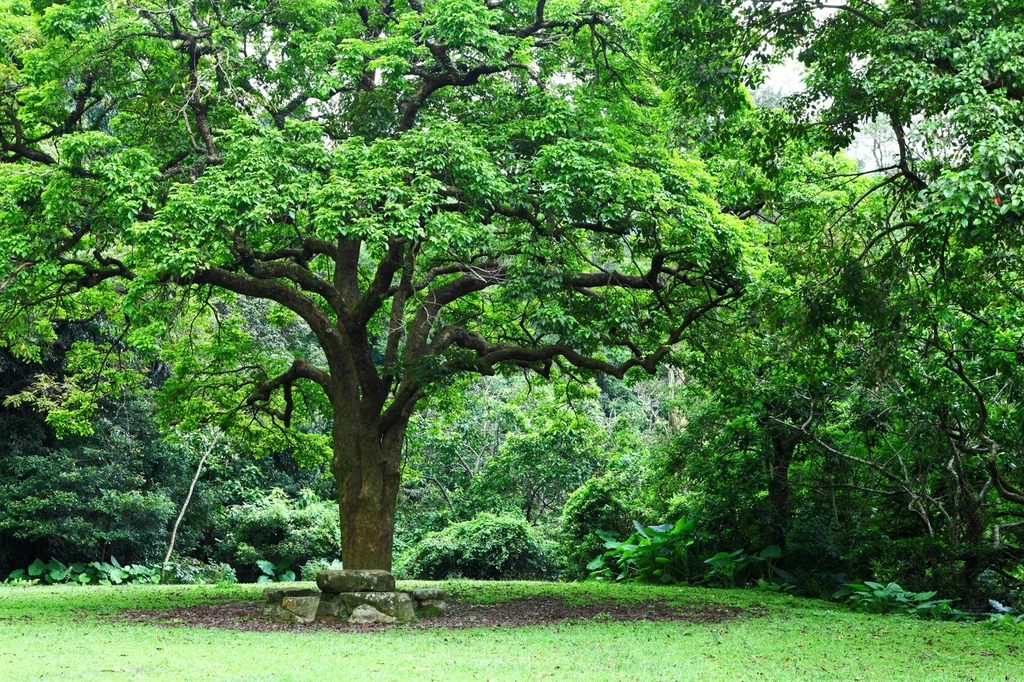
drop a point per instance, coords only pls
(968, 534)
(675, 421)
(367, 474)
(778, 487)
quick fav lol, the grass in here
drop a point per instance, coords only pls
(65, 633)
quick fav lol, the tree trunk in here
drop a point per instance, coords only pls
(778, 487)
(675, 421)
(366, 468)
(968, 533)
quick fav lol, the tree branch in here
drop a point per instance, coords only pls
(301, 369)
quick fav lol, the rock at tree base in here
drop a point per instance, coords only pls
(423, 594)
(331, 606)
(364, 614)
(431, 608)
(303, 605)
(397, 604)
(355, 581)
(303, 608)
(292, 609)
(291, 605)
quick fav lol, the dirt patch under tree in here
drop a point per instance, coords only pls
(515, 613)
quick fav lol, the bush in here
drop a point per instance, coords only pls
(487, 547)
(1005, 618)
(662, 554)
(314, 566)
(279, 529)
(877, 598)
(919, 563)
(671, 553)
(590, 508)
(90, 499)
(185, 570)
(54, 572)
(737, 568)
(275, 573)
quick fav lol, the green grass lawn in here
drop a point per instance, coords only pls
(66, 633)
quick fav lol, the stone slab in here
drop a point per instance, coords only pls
(272, 611)
(424, 594)
(355, 581)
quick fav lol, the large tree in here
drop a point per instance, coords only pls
(430, 186)
(915, 280)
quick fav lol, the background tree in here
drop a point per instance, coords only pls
(919, 293)
(115, 491)
(504, 445)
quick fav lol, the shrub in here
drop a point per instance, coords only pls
(183, 570)
(93, 573)
(487, 547)
(670, 553)
(590, 508)
(1005, 618)
(179, 571)
(277, 529)
(275, 573)
(314, 566)
(662, 554)
(918, 563)
(877, 598)
(88, 500)
(735, 569)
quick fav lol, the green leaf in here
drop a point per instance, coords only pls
(56, 571)
(683, 526)
(640, 528)
(785, 575)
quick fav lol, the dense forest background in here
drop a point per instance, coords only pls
(858, 405)
(508, 477)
